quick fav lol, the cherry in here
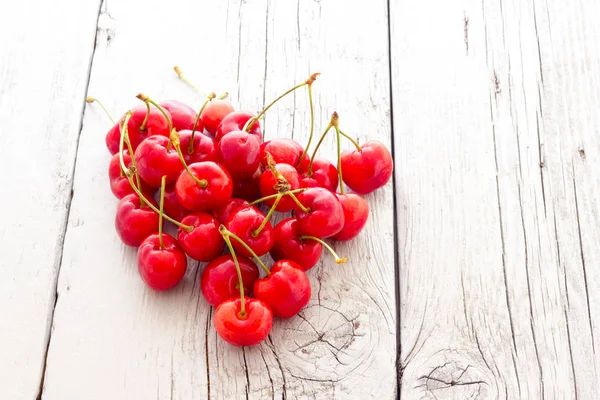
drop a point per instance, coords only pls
(288, 245)
(133, 222)
(119, 184)
(239, 153)
(367, 168)
(182, 115)
(156, 157)
(285, 151)
(245, 224)
(246, 328)
(322, 174)
(236, 121)
(162, 265)
(270, 184)
(356, 213)
(139, 127)
(204, 242)
(215, 189)
(322, 214)
(247, 188)
(172, 207)
(204, 148)
(223, 212)
(213, 114)
(286, 290)
(219, 280)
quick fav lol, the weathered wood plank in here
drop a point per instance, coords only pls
(497, 150)
(147, 345)
(44, 64)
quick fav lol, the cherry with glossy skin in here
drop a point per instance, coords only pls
(119, 184)
(369, 169)
(289, 246)
(325, 216)
(324, 174)
(219, 280)
(171, 204)
(236, 121)
(213, 114)
(286, 151)
(286, 289)
(356, 213)
(133, 222)
(182, 115)
(244, 222)
(155, 158)
(204, 242)
(223, 212)
(247, 188)
(217, 190)
(246, 330)
(239, 153)
(268, 184)
(204, 149)
(157, 124)
(161, 268)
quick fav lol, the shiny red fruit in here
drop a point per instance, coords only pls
(356, 213)
(213, 114)
(119, 184)
(155, 158)
(182, 115)
(239, 153)
(223, 212)
(171, 205)
(326, 215)
(289, 246)
(247, 188)
(369, 169)
(161, 268)
(157, 124)
(217, 191)
(243, 222)
(134, 223)
(204, 149)
(268, 182)
(236, 121)
(286, 151)
(204, 242)
(286, 289)
(243, 330)
(219, 280)
(324, 174)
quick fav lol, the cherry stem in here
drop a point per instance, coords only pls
(273, 196)
(183, 78)
(163, 182)
(350, 138)
(223, 96)
(208, 100)
(312, 123)
(312, 159)
(293, 196)
(268, 216)
(90, 100)
(253, 120)
(125, 139)
(242, 313)
(339, 151)
(149, 101)
(145, 121)
(227, 234)
(203, 183)
(338, 260)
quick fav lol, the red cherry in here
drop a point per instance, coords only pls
(368, 169)
(135, 223)
(324, 175)
(171, 204)
(247, 330)
(182, 115)
(289, 246)
(244, 222)
(236, 121)
(356, 213)
(239, 153)
(285, 151)
(155, 159)
(223, 212)
(247, 188)
(204, 242)
(286, 289)
(325, 217)
(213, 114)
(220, 281)
(217, 191)
(204, 149)
(161, 268)
(156, 124)
(119, 184)
(268, 182)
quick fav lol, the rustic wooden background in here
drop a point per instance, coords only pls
(477, 276)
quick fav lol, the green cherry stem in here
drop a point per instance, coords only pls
(350, 138)
(242, 313)
(145, 121)
(312, 123)
(223, 96)
(91, 99)
(338, 260)
(183, 78)
(208, 100)
(293, 196)
(312, 158)
(163, 182)
(149, 101)
(268, 216)
(339, 151)
(125, 139)
(203, 183)
(227, 234)
(273, 196)
(133, 162)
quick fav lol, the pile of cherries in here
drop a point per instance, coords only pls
(208, 172)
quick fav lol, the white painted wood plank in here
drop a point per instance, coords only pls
(149, 345)
(44, 61)
(497, 151)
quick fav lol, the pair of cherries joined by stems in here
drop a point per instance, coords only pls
(212, 170)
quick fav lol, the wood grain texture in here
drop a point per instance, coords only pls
(43, 79)
(497, 151)
(113, 338)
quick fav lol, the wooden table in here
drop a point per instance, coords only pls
(477, 276)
